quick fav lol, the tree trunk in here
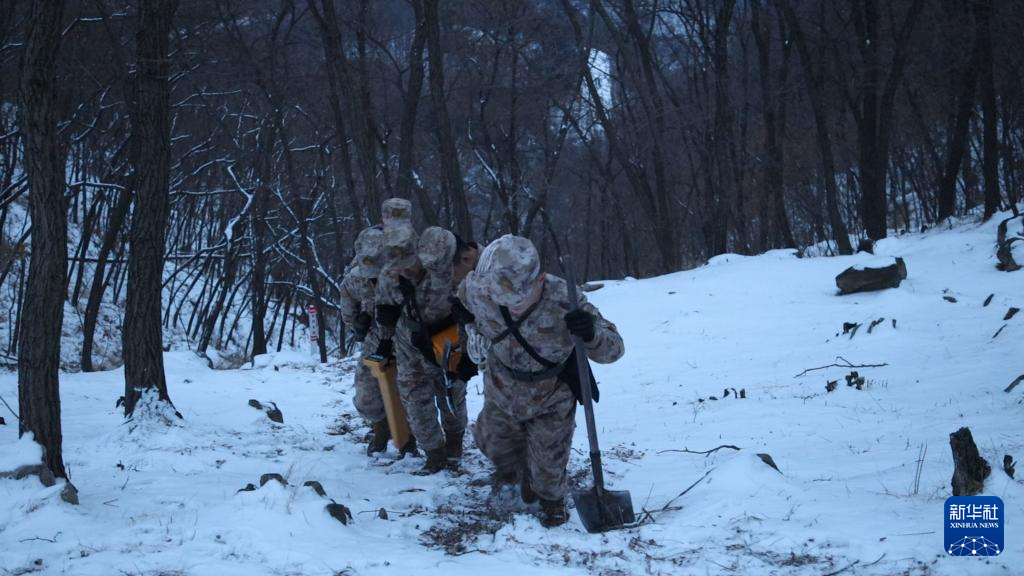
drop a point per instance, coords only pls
(872, 185)
(333, 56)
(815, 86)
(773, 176)
(637, 179)
(451, 173)
(958, 137)
(654, 108)
(407, 131)
(983, 12)
(39, 350)
(368, 135)
(258, 228)
(875, 114)
(151, 147)
(99, 277)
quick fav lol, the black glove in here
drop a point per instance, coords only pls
(361, 326)
(580, 323)
(466, 368)
(386, 349)
(461, 314)
(406, 289)
(388, 314)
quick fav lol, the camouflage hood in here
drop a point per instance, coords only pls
(436, 248)
(369, 258)
(399, 246)
(508, 267)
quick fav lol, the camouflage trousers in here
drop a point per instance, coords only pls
(421, 386)
(367, 400)
(539, 447)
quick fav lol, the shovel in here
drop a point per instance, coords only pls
(599, 509)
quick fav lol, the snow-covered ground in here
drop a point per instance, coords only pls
(166, 501)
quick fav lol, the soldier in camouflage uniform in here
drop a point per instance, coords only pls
(528, 418)
(357, 302)
(414, 304)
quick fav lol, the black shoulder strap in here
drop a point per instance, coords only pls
(409, 302)
(511, 324)
(513, 328)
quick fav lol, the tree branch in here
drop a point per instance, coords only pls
(705, 452)
(846, 364)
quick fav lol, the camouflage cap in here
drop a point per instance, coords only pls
(399, 246)
(369, 252)
(396, 210)
(508, 267)
(436, 248)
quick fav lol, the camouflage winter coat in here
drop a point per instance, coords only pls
(425, 313)
(545, 330)
(358, 294)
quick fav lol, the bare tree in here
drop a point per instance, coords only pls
(39, 350)
(983, 15)
(151, 149)
(451, 179)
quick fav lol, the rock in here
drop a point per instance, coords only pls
(949, 299)
(1011, 313)
(69, 494)
(2, 421)
(988, 300)
(382, 514)
(46, 476)
(969, 468)
(340, 513)
(855, 379)
(767, 459)
(867, 279)
(275, 415)
(1008, 465)
(272, 476)
(316, 486)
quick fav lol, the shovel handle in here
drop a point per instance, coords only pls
(583, 370)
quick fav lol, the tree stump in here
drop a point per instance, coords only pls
(1011, 232)
(870, 278)
(969, 468)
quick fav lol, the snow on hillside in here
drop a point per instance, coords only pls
(158, 500)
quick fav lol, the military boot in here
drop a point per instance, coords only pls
(379, 439)
(437, 460)
(500, 478)
(555, 513)
(409, 448)
(453, 444)
(525, 490)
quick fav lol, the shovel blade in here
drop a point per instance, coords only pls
(603, 511)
